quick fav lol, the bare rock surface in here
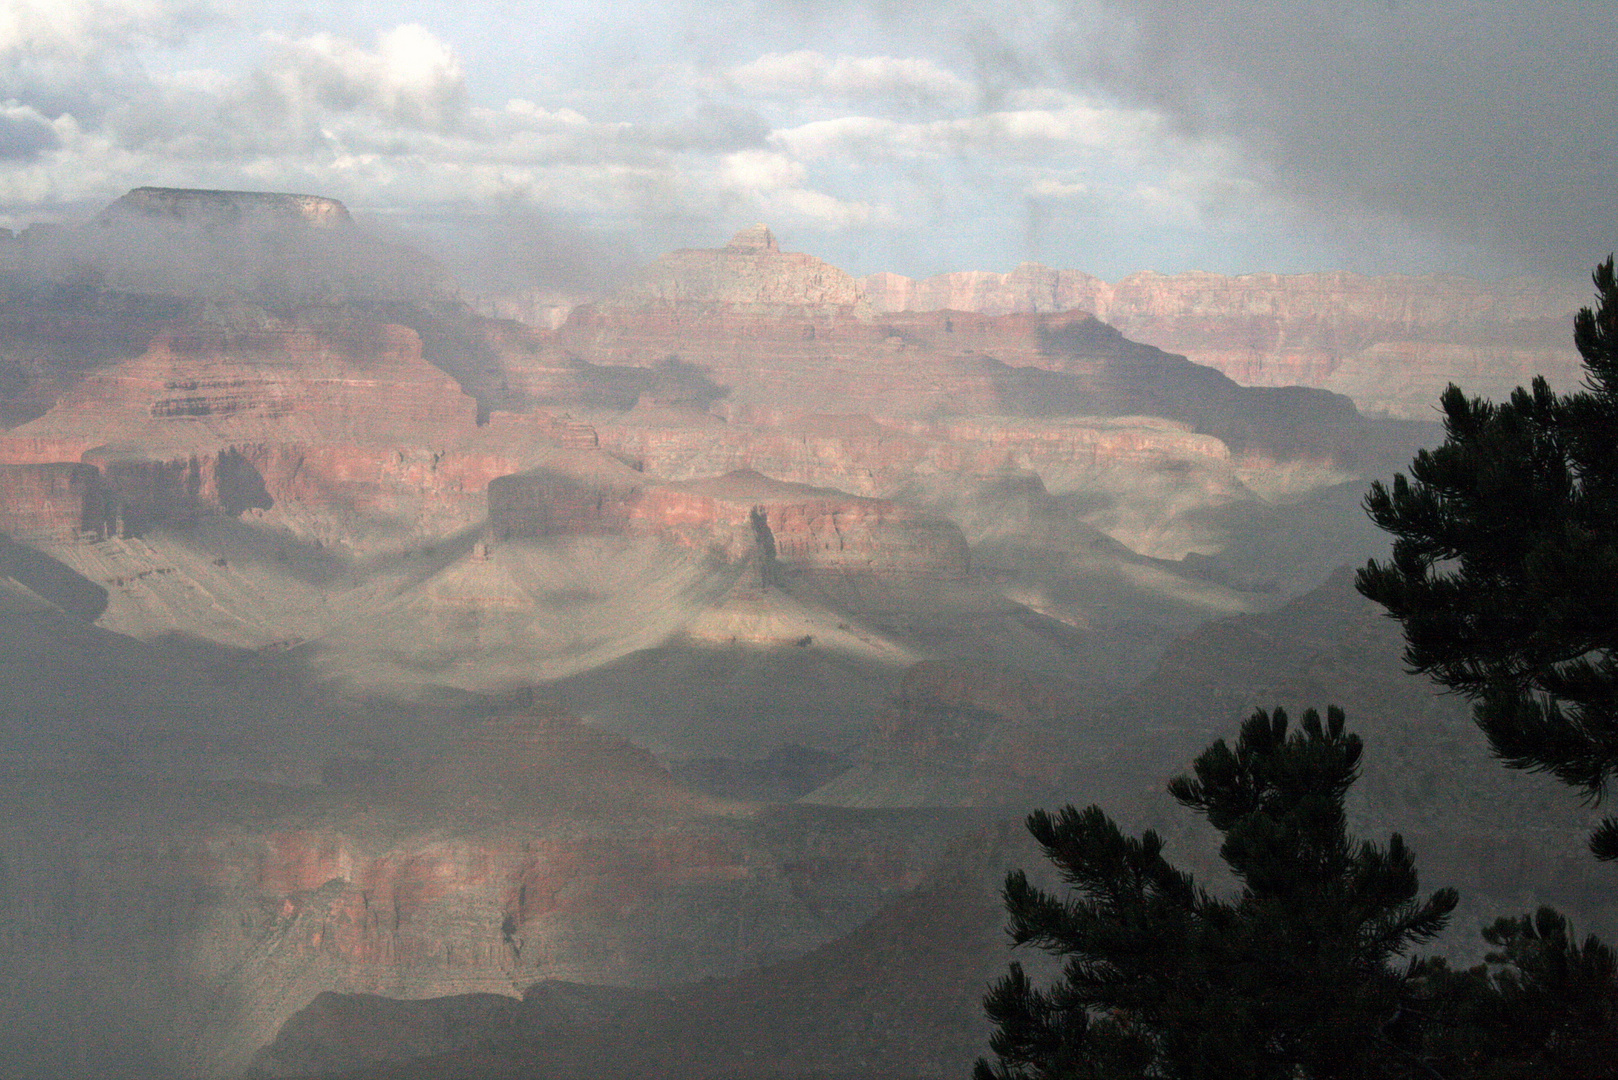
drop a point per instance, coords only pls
(898, 997)
(751, 271)
(1390, 343)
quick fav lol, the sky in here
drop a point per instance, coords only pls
(561, 144)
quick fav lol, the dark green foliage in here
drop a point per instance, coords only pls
(1294, 978)
(1543, 1007)
(1504, 571)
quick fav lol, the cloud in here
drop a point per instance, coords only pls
(1056, 124)
(1493, 121)
(711, 128)
(912, 81)
(70, 57)
(80, 29)
(24, 134)
(776, 185)
(1380, 135)
(411, 78)
(1049, 187)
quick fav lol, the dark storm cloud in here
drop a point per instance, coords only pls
(1495, 121)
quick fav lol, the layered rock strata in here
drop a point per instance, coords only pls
(906, 368)
(56, 500)
(750, 272)
(538, 850)
(739, 516)
(219, 207)
(1391, 343)
(897, 998)
(339, 416)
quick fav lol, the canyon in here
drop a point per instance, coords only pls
(393, 689)
(1390, 343)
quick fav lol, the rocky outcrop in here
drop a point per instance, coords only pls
(563, 430)
(582, 494)
(1028, 288)
(203, 934)
(1391, 343)
(750, 272)
(902, 368)
(244, 371)
(736, 517)
(249, 412)
(59, 500)
(897, 998)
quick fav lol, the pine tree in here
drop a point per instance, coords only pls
(1504, 570)
(1543, 1006)
(1294, 978)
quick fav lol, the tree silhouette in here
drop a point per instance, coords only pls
(1294, 978)
(1504, 570)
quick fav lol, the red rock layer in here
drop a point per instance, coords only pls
(255, 412)
(736, 517)
(858, 455)
(55, 501)
(342, 378)
(801, 359)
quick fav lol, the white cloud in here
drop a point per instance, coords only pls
(808, 207)
(845, 136)
(411, 78)
(775, 185)
(79, 29)
(753, 171)
(898, 80)
(1049, 187)
(1070, 123)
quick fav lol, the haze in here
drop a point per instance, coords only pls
(558, 541)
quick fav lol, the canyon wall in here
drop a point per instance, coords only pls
(740, 516)
(53, 500)
(1391, 343)
(235, 410)
(750, 507)
(149, 944)
(751, 271)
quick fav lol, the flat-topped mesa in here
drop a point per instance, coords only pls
(202, 206)
(158, 245)
(750, 272)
